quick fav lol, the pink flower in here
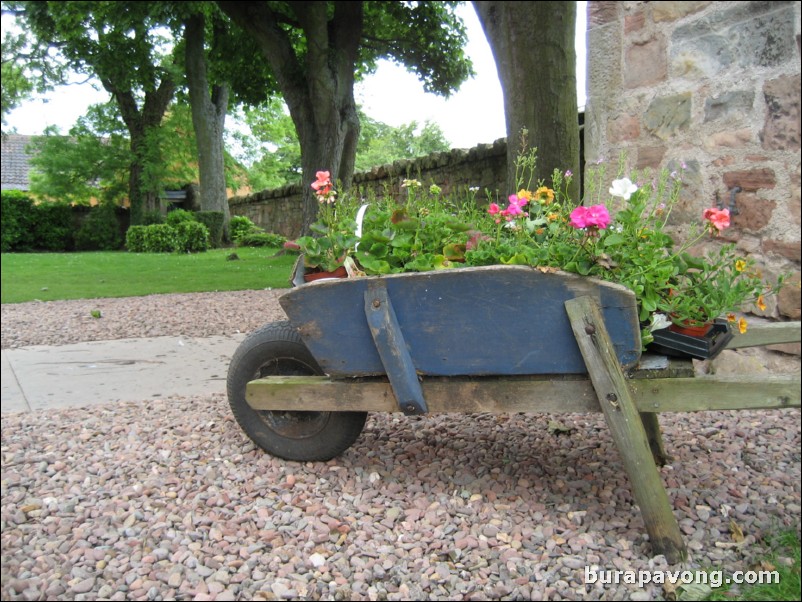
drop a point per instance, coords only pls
(513, 209)
(493, 209)
(587, 217)
(579, 217)
(718, 219)
(322, 186)
(598, 216)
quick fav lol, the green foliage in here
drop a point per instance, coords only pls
(260, 239)
(213, 220)
(184, 236)
(177, 216)
(18, 221)
(240, 225)
(53, 227)
(27, 66)
(152, 217)
(27, 226)
(91, 163)
(100, 230)
(380, 143)
(135, 239)
(191, 237)
(160, 238)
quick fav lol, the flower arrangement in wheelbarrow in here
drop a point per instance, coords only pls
(621, 236)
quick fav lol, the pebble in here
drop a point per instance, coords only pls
(472, 507)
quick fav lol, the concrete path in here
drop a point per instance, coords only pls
(43, 377)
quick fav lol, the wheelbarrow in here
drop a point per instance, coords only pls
(484, 339)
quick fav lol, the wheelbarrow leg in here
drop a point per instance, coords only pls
(626, 426)
(652, 427)
(392, 349)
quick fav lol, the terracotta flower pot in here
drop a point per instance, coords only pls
(340, 272)
(691, 331)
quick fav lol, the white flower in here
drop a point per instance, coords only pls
(623, 188)
(658, 322)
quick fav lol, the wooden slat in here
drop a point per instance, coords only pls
(536, 394)
(744, 392)
(767, 334)
(626, 428)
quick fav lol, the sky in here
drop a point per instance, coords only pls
(471, 116)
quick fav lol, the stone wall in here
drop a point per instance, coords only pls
(714, 86)
(484, 166)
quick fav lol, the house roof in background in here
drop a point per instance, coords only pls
(15, 162)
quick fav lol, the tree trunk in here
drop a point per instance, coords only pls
(142, 198)
(317, 83)
(533, 46)
(208, 118)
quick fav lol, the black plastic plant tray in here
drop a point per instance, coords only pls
(707, 347)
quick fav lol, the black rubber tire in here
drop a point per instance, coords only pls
(276, 349)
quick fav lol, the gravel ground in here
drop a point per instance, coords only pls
(168, 500)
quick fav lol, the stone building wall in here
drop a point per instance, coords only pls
(714, 86)
(278, 210)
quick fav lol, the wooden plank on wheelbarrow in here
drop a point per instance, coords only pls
(626, 428)
(557, 393)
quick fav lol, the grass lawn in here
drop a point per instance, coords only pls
(58, 276)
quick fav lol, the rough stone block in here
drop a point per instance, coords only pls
(748, 34)
(735, 103)
(671, 11)
(602, 12)
(754, 214)
(789, 299)
(626, 127)
(646, 63)
(730, 139)
(650, 156)
(782, 130)
(751, 180)
(667, 115)
(789, 250)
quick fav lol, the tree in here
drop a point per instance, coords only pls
(120, 44)
(380, 143)
(533, 46)
(209, 102)
(316, 51)
(28, 67)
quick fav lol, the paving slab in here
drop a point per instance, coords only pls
(100, 372)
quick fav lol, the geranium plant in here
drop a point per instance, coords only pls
(334, 236)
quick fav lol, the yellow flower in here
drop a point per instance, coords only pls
(761, 303)
(742, 325)
(525, 194)
(731, 317)
(740, 265)
(553, 216)
(544, 195)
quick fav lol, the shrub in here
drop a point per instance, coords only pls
(52, 226)
(160, 238)
(100, 230)
(18, 221)
(240, 225)
(261, 239)
(213, 220)
(192, 237)
(152, 217)
(135, 239)
(177, 216)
